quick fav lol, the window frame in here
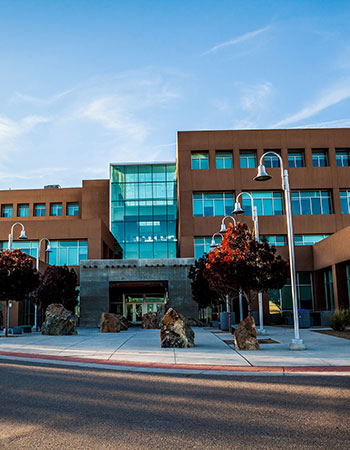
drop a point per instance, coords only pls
(301, 202)
(201, 161)
(247, 156)
(220, 155)
(36, 205)
(76, 208)
(340, 157)
(22, 207)
(52, 206)
(318, 157)
(227, 198)
(3, 207)
(293, 155)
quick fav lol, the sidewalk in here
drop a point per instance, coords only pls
(137, 348)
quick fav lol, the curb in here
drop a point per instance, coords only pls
(271, 370)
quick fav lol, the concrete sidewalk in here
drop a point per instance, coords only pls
(143, 347)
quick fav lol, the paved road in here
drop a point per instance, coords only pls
(50, 407)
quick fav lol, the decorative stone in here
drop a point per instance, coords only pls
(124, 324)
(150, 321)
(59, 321)
(192, 322)
(175, 331)
(110, 323)
(245, 335)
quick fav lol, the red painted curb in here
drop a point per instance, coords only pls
(270, 369)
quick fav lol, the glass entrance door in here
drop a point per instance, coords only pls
(134, 308)
(137, 305)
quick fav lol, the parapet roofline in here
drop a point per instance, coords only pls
(143, 163)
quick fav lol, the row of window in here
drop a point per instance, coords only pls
(248, 159)
(202, 244)
(39, 210)
(62, 252)
(212, 204)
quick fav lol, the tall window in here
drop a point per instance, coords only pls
(68, 252)
(39, 209)
(6, 211)
(210, 204)
(311, 202)
(247, 159)
(202, 245)
(200, 160)
(223, 159)
(320, 158)
(309, 239)
(345, 201)
(328, 289)
(276, 241)
(144, 210)
(343, 157)
(73, 209)
(23, 210)
(281, 300)
(56, 209)
(271, 160)
(296, 158)
(267, 203)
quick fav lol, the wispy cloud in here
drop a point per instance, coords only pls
(18, 97)
(242, 38)
(10, 129)
(340, 123)
(329, 98)
(110, 113)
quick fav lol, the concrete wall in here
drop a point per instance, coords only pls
(96, 275)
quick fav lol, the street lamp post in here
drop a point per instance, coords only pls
(9, 247)
(48, 250)
(297, 343)
(222, 230)
(239, 210)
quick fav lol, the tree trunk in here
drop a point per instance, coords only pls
(6, 321)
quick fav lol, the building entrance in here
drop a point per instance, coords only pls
(134, 299)
(136, 306)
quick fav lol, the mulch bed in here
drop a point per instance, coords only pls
(340, 334)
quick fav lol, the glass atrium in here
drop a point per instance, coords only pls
(143, 209)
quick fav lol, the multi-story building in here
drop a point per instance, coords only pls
(75, 220)
(164, 215)
(214, 166)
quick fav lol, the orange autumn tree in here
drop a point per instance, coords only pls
(242, 264)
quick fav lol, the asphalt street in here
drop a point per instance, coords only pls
(51, 407)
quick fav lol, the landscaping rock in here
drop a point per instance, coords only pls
(150, 321)
(59, 321)
(245, 335)
(124, 324)
(110, 323)
(175, 331)
(192, 322)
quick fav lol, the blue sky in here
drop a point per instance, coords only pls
(85, 83)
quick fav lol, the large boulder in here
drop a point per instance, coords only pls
(150, 321)
(175, 331)
(59, 321)
(245, 335)
(110, 323)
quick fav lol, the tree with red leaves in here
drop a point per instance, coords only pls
(58, 285)
(242, 264)
(18, 277)
(201, 292)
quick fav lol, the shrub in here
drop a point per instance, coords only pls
(340, 320)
